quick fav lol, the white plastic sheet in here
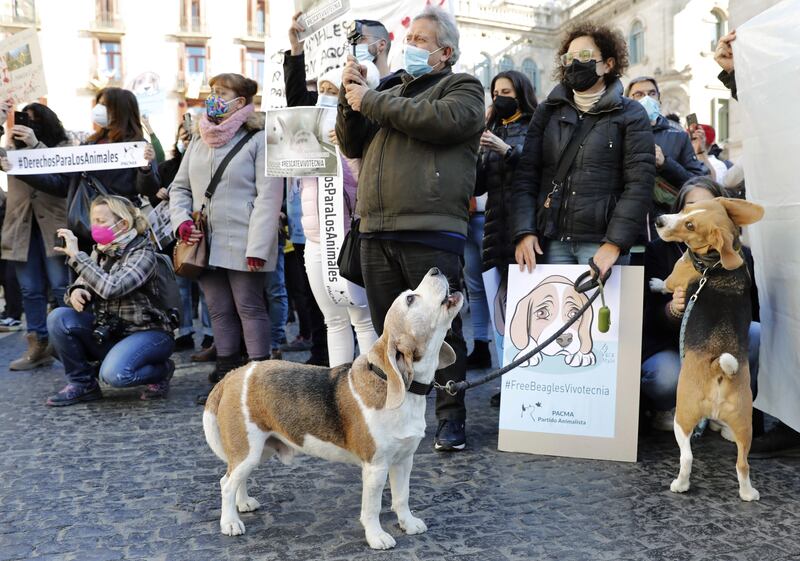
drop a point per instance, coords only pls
(768, 78)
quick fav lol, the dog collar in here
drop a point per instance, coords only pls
(710, 261)
(415, 387)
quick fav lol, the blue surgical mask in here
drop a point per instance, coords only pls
(324, 100)
(363, 54)
(651, 106)
(416, 60)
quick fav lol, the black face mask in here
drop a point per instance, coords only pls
(504, 106)
(580, 76)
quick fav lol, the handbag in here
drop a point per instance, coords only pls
(87, 190)
(349, 260)
(190, 260)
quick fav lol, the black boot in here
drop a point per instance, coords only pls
(224, 365)
(480, 357)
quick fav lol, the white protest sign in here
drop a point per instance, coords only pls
(579, 396)
(146, 86)
(319, 13)
(77, 158)
(21, 68)
(273, 79)
(298, 143)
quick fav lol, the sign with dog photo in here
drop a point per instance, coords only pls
(579, 395)
(21, 68)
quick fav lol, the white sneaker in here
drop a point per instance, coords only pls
(10, 324)
(663, 420)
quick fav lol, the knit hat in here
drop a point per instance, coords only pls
(711, 135)
(332, 76)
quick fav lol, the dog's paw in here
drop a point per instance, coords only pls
(679, 486)
(749, 494)
(658, 285)
(380, 540)
(249, 505)
(579, 359)
(233, 527)
(413, 525)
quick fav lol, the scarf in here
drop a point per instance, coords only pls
(217, 135)
(119, 242)
(513, 118)
(585, 101)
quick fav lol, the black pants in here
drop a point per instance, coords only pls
(11, 290)
(389, 268)
(305, 299)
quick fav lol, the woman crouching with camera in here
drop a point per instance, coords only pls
(111, 317)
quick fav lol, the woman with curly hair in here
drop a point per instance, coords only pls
(596, 207)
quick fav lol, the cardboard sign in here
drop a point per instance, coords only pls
(298, 143)
(21, 68)
(319, 13)
(77, 158)
(579, 396)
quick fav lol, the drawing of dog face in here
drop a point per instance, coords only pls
(542, 312)
(145, 83)
(500, 308)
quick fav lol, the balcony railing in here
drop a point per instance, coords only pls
(107, 22)
(193, 25)
(256, 31)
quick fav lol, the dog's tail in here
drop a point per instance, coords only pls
(210, 424)
(727, 363)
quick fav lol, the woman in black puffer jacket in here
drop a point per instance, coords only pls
(599, 210)
(513, 105)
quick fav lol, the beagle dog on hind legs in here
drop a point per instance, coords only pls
(370, 413)
(714, 381)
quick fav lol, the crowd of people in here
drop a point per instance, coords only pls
(437, 176)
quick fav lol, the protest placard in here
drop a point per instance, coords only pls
(21, 68)
(77, 158)
(149, 95)
(319, 13)
(579, 396)
(298, 142)
(161, 225)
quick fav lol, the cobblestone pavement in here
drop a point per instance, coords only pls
(126, 479)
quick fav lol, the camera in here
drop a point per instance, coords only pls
(107, 328)
(358, 31)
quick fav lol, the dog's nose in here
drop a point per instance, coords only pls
(434, 272)
(564, 339)
(660, 222)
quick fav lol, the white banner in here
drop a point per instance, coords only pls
(767, 67)
(77, 158)
(319, 13)
(332, 217)
(21, 68)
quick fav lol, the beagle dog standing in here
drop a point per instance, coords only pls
(542, 312)
(371, 413)
(714, 381)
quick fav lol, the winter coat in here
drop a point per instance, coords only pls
(26, 205)
(243, 214)
(494, 177)
(609, 187)
(680, 161)
(309, 196)
(661, 331)
(419, 144)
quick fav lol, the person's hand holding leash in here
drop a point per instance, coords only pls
(525, 254)
(79, 298)
(605, 257)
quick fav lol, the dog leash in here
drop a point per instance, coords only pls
(690, 306)
(581, 285)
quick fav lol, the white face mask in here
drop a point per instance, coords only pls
(325, 100)
(100, 115)
(181, 146)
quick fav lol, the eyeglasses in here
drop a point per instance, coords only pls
(584, 55)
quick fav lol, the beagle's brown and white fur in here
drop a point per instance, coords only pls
(348, 413)
(714, 381)
(542, 312)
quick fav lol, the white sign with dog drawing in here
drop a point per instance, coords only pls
(571, 386)
(299, 143)
(77, 158)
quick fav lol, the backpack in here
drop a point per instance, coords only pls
(165, 294)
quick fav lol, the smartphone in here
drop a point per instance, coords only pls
(21, 118)
(691, 120)
(187, 123)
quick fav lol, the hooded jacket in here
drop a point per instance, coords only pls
(609, 186)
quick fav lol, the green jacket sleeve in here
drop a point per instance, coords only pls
(160, 156)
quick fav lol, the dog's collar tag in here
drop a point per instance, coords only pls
(415, 387)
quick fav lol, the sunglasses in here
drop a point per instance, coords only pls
(584, 55)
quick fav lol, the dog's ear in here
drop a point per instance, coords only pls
(519, 328)
(400, 359)
(742, 212)
(722, 240)
(585, 327)
(447, 356)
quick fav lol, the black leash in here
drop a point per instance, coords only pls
(582, 284)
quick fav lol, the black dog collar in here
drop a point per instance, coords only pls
(415, 388)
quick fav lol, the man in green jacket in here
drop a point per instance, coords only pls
(419, 144)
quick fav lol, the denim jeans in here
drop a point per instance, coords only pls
(660, 372)
(140, 358)
(473, 276)
(573, 253)
(187, 309)
(34, 276)
(278, 301)
(390, 267)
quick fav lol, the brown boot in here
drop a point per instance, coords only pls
(206, 355)
(39, 353)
